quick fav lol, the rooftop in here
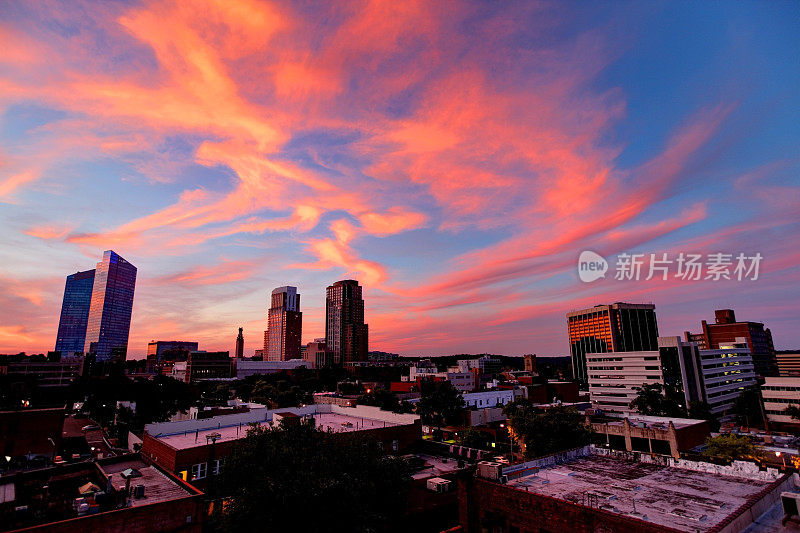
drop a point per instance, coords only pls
(682, 499)
(654, 422)
(158, 487)
(337, 423)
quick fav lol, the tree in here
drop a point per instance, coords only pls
(793, 411)
(275, 476)
(702, 411)
(474, 438)
(747, 408)
(651, 401)
(557, 429)
(440, 403)
(732, 447)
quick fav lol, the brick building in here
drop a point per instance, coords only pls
(585, 490)
(31, 432)
(728, 331)
(195, 449)
(121, 493)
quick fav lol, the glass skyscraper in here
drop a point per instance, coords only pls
(75, 312)
(109, 320)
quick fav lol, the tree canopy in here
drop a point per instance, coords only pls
(747, 407)
(440, 403)
(542, 433)
(732, 447)
(302, 479)
(651, 401)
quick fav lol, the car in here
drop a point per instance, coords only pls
(90, 427)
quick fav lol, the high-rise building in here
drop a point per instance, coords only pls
(346, 334)
(109, 320)
(75, 312)
(726, 330)
(686, 374)
(240, 344)
(619, 327)
(284, 325)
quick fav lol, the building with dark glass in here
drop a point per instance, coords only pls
(109, 320)
(75, 312)
(162, 353)
(727, 330)
(346, 334)
(619, 327)
(284, 325)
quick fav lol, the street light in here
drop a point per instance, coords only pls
(778, 454)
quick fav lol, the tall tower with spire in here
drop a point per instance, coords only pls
(240, 344)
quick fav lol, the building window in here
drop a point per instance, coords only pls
(199, 471)
(395, 445)
(215, 466)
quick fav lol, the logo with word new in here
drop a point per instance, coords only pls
(591, 266)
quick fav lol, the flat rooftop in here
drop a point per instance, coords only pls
(681, 499)
(654, 422)
(435, 466)
(157, 486)
(336, 423)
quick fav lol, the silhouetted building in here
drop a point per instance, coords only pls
(530, 362)
(619, 327)
(208, 365)
(75, 312)
(240, 344)
(109, 320)
(346, 334)
(162, 352)
(317, 354)
(284, 325)
(56, 371)
(726, 331)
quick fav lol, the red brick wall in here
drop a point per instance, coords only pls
(484, 503)
(27, 431)
(163, 516)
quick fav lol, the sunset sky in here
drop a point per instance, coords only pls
(454, 157)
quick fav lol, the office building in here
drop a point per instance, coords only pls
(727, 331)
(650, 434)
(284, 325)
(619, 327)
(788, 364)
(240, 344)
(75, 312)
(778, 394)
(685, 373)
(109, 320)
(160, 353)
(246, 368)
(57, 371)
(346, 334)
(202, 365)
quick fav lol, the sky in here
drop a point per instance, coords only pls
(454, 157)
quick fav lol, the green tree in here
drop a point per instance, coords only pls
(386, 400)
(702, 411)
(542, 433)
(732, 447)
(302, 479)
(440, 403)
(651, 401)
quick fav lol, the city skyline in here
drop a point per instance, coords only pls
(454, 161)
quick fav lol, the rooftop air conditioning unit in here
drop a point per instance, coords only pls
(138, 491)
(489, 470)
(439, 485)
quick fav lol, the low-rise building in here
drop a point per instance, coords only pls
(57, 371)
(591, 489)
(788, 364)
(122, 493)
(778, 394)
(649, 434)
(245, 367)
(203, 366)
(194, 450)
(31, 432)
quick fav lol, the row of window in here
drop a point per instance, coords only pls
(200, 470)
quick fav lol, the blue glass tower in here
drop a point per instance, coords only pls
(75, 312)
(109, 320)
